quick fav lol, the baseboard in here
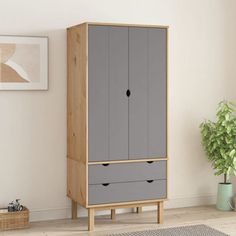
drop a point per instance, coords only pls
(63, 213)
(181, 202)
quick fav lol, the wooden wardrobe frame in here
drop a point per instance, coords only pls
(77, 127)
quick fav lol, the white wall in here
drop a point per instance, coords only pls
(202, 52)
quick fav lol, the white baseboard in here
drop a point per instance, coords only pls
(191, 201)
(63, 213)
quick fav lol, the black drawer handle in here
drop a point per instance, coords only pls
(128, 93)
(149, 162)
(150, 181)
(106, 184)
(106, 164)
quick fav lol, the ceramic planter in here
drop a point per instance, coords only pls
(225, 197)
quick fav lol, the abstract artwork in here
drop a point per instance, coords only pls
(23, 63)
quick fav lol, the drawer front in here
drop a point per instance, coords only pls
(125, 172)
(125, 192)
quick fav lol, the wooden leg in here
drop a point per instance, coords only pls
(139, 209)
(90, 219)
(73, 209)
(160, 213)
(113, 214)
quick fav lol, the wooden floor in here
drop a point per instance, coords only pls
(208, 215)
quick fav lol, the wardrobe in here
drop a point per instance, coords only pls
(117, 150)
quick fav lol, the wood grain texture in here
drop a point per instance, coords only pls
(128, 25)
(127, 161)
(77, 124)
(73, 209)
(77, 93)
(113, 214)
(91, 219)
(129, 222)
(76, 183)
(139, 209)
(160, 212)
(133, 204)
(77, 128)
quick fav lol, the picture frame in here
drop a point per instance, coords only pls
(23, 63)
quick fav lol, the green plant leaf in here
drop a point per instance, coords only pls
(219, 139)
(232, 153)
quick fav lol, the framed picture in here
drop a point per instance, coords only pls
(23, 63)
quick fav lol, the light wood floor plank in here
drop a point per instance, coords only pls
(129, 222)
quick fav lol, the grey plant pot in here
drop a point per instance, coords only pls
(225, 196)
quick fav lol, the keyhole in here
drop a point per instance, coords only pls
(128, 93)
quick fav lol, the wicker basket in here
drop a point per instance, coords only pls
(14, 220)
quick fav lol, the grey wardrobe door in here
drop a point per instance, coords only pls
(157, 92)
(98, 100)
(147, 82)
(138, 109)
(118, 101)
(108, 82)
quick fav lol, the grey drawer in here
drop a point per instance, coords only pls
(125, 172)
(123, 192)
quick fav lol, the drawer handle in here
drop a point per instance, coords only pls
(150, 181)
(106, 184)
(149, 162)
(106, 164)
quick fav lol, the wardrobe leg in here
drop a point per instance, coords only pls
(90, 219)
(160, 213)
(113, 214)
(139, 209)
(73, 209)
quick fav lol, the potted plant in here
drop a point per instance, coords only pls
(219, 142)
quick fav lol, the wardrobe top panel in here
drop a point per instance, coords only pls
(121, 24)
